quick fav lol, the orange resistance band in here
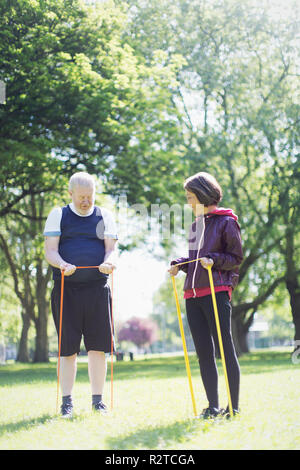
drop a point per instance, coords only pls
(60, 331)
(59, 335)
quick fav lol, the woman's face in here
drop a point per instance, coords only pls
(194, 203)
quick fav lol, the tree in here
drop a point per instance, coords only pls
(237, 99)
(140, 331)
(9, 314)
(79, 97)
(22, 245)
(165, 315)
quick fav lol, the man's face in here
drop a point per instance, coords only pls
(83, 198)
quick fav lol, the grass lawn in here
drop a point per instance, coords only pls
(152, 407)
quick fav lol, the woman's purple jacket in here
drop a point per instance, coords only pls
(217, 236)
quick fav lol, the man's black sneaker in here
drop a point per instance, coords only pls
(210, 413)
(100, 407)
(66, 410)
(226, 413)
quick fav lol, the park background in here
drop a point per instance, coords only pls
(142, 95)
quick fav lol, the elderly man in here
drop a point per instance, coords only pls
(82, 234)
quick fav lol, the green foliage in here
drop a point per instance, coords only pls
(277, 313)
(239, 106)
(9, 315)
(9, 308)
(143, 94)
(165, 314)
(79, 97)
(140, 331)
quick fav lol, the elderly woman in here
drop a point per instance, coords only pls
(215, 239)
(82, 234)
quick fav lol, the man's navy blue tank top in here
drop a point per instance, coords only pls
(82, 244)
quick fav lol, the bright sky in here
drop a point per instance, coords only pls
(136, 279)
(139, 274)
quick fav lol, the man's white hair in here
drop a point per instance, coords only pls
(81, 179)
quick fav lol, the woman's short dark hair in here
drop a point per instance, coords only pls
(205, 187)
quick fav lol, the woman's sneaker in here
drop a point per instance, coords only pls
(226, 412)
(210, 413)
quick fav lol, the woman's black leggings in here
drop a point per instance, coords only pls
(202, 324)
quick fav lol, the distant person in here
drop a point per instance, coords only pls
(215, 238)
(82, 234)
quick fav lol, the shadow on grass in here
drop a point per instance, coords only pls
(27, 424)
(160, 436)
(158, 368)
(24, 424)
(20, 373)
(174, 366)
(265, 362)
(152, 368)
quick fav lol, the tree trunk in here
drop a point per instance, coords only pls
(23, 353)
(294, 292)
(41, 340)
(292, 283)
(239, 336)
(41, 353)
(240, 328)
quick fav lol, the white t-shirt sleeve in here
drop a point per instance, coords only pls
(110, 227)
(52, 225)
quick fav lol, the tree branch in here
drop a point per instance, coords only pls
(244, 307)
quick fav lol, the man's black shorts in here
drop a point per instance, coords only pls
(86, 312)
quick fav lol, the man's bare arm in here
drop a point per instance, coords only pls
(53, 257)
(110, 258)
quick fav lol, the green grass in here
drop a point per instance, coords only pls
(152, 407)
